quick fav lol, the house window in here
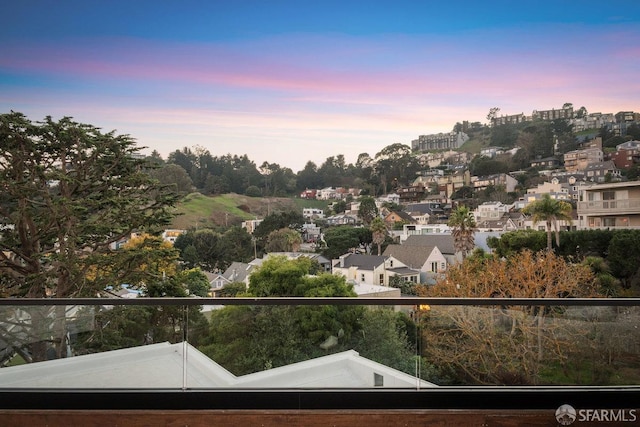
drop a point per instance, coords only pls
(378, 380)
(362, 277)
(434, 267)
(382, 279)
(391, 263)
(443, 266)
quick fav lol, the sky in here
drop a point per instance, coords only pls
(289, 82)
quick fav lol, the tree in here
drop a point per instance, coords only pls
(493, 113)
(463, 226)
(378, 232)
(69, 191)
(283, 240)
(343, 239)
(505, 345)
(550, 211)
(367, 210)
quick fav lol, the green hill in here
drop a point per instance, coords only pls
(197, 210)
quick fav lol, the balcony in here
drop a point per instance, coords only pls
(243, 361)
(610, 207)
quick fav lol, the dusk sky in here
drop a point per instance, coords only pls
(292, 81)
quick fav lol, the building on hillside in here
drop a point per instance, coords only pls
(312, 213)
(602, 172)
(611, 206)
(171, 235)
(504, 223)
(427, 212)
(489, 211)
(250, 225)
(553, 114)
(627, 154)
(372, 269)
(578, 160)
(239, 272)
(398, 217)
(421, 229)
(509, 120)
(439, 141)
(342, 219)
(503, 180)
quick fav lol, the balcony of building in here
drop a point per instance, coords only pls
(243, 361)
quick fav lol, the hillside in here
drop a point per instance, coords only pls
(197, 210)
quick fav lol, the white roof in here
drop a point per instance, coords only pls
(163, 366)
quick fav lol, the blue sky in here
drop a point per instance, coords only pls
(287, 82)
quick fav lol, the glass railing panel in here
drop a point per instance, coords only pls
(92, 346)
(261, 344)
(533, 345)
(308, 346)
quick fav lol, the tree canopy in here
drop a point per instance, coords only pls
(69, 192)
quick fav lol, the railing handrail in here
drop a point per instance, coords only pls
(431, 301)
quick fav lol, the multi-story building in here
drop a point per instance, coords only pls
(511, 120)
(439, 141)
(627, 154)
(553, 114)
(503, 180)
(577, 160)
(612, 205)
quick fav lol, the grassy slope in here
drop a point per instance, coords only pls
(231, 209)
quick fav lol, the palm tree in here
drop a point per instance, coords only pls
(550, 211)
(378, 231)
(463, 226)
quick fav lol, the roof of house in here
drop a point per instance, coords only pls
(161, 366)
(363, 262)
(443, 241)
(238, 271)
(404, 216)
(411, 256)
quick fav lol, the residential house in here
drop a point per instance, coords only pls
(546, 163)
(490, 211)
(443, 241)
(398, 217)
(602, 172)
(491, 152)
(239, 272)
(311, 233)
(372, 269)
(449, 184)
(426, 213)
(503, 180)
(627, 154)
(611, 206)
(428, 260)
(217, 282)
(171, 235)
(342, 219)
(312, 213)
(504, 223)
(308, 194)
(421, 229)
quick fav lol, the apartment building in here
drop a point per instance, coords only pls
(439, 141)
(577, 160)
(612, 205)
